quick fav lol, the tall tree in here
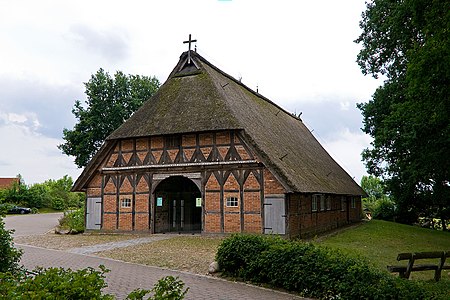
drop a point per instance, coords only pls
(110, 101)
(374, 188)
(408, 41)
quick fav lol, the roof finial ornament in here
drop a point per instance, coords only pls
(190, 41)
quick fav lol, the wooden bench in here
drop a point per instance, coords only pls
(405, 271)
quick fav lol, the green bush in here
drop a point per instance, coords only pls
(310, 270)
(55, 283)
(237, 252)
(167, 288)
(9, 256)
(384, 209)
(73, 220)
(58, 203)
(59, 283)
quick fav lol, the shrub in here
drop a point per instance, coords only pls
(73, 221)
(59, 283)
(55, 283)
(310, 270)
(58, 203)
(237, 252)
(9, 256)
(384, 209)
(167, 288)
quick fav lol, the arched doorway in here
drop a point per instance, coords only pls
(177, 206)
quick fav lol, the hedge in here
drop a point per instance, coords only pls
(310, 270)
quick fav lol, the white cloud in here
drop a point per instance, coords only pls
(26, 119)
(111, 44)
(301, 54)
(16, 118)
(344, 105)
(32, 155)
(345, 148)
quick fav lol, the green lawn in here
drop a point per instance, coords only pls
(48, 210)
(381, 241)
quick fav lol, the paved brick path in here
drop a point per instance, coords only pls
(124, 277)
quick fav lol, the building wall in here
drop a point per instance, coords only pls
(304, 221)
(226, 169)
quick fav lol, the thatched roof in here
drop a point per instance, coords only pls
(199, 97)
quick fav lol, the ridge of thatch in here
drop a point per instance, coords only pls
(200, 97)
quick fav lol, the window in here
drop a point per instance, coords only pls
(315, 199)
(322, 202)
(329, 203)
(173, 141)
(232, 201)
(342, 203)
(126, 202)
(353, 202)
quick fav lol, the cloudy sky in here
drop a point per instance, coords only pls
(300, 54)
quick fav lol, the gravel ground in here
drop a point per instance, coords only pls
(67, 241)
(190, 253)
(183, 253)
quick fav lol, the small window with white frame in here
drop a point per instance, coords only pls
(232, 201)
(353, 202)
(314, 202)
(125, 202)
(328, 202)
(322, 202)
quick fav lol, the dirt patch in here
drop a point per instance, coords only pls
(184, 253)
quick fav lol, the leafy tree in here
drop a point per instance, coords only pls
(39, 196)
(17, 193)
(60, 195)
(408, 41)
(110, 101)
(377, 202)
(374, 188)
(51, 193)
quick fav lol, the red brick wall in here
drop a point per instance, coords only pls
(271, 184)
(242, 182)
(303, 222)
(212, 223)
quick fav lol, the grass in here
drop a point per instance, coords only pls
(377, 241)
(381, 241)
(48, 210)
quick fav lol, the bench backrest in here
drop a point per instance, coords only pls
(404, 256)
(423, 255)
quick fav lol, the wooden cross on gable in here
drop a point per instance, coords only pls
(190, 41)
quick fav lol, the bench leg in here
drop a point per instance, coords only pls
(437, 275)
(403, 275)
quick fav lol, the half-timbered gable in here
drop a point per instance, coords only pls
(207, 154)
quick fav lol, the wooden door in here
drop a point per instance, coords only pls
(93, 213)
(274, 215)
